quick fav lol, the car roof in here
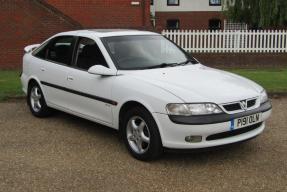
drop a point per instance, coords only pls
(108, 32)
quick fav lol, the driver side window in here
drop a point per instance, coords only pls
(89, 54)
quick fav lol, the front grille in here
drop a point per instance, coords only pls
(241, 105)
(251, 103)
(232, 107)
(233, 132)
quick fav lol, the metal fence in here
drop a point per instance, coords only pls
(247, 41)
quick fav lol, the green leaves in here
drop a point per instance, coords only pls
(258, 13)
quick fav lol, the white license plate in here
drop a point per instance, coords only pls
(245, 121)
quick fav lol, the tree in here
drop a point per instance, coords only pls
(258, 13)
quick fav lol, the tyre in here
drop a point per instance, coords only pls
(36, 101)
(141, 135)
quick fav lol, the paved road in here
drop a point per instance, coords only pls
(65, 153)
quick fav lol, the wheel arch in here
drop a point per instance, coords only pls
(134, 103)
(34, 79)
(126, 106)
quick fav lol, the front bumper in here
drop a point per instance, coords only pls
(173, 134)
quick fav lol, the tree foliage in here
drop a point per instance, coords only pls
(258, 13)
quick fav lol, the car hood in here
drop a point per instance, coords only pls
(198, 83)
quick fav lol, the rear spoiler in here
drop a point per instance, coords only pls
(30, 48)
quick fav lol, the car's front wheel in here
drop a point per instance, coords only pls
(36, 101)
(141, 134)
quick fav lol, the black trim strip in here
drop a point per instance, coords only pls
(217, 118)
(81, 93)
(232, 133)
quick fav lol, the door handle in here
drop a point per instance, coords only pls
(43, 69)
(70, 78)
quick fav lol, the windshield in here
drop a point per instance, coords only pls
(145, 52)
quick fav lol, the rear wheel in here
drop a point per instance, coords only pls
(141, 134)
(36, 101)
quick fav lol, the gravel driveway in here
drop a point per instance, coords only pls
(65, 153)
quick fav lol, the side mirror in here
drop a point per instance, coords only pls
(101, 70)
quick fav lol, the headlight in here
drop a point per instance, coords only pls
(193, 109)
(263, 97)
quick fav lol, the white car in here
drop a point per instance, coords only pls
(145, 86)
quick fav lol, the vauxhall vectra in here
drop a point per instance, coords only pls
(140, 83)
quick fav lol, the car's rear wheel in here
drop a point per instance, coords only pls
(36, 101)
(141, 134)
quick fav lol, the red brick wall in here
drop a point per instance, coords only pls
(188, 20)
(106, 13)
(25, 22)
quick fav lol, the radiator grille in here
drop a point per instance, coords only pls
(240, 105)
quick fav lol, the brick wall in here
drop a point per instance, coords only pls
(25, 22)
(188, 20)
(106, 13)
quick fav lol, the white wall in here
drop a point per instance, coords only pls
(152, 9)
(185, 5)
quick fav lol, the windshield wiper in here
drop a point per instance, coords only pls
(162, 65)
(184, 63)
(193, 61)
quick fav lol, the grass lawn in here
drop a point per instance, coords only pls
(273, 80)
(10, 85)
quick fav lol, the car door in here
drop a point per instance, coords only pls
(56, 58)
(91, 93)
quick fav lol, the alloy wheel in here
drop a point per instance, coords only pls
(138, 135)
(35, 98)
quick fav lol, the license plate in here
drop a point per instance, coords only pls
(245, 121)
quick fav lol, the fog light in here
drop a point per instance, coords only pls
(193, 139)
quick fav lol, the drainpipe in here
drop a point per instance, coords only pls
(144, 13)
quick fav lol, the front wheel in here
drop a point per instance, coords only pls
(141, 134)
